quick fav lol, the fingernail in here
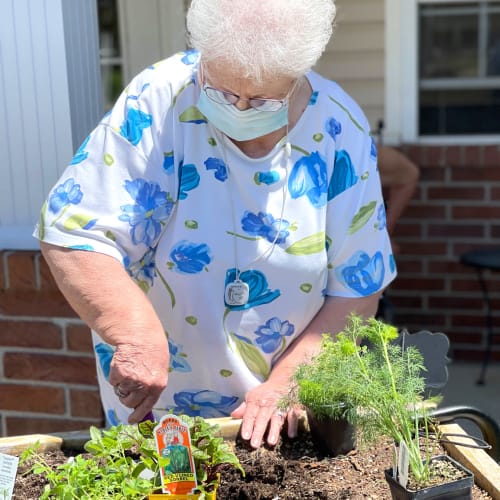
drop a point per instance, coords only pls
(245, 435)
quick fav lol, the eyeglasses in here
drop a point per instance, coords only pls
(224, 97)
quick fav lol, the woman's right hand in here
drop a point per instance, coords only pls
(139, 374)
(104, 296)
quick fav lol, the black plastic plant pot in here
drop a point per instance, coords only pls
(460, 489)
(332, 436)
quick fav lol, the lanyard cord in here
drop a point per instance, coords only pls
(268, 252)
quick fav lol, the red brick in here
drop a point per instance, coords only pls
(2, 271)
(491, 156)
(455, 193)
(422, 212)
(422, 247)
(476, 320)
(418, 283)
(468, 174)
(47, 281)
(435, 156)
(468, 355)
(446, 265)
(50, 367)
(35, 303)
(406, 265)
(414, 152)
(466, 285)
(456, 231)
(21, 269)
(79, 338)
(18, 426)
(476, 212)
(86, 404)
(464, 338)
(406, 229)
(37, 334)
(31, 398)
(454, 155)
(432, 174)
(451, 303)
(406, 302)
(473, 156)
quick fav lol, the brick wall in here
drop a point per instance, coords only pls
(47, 371)
(456, 209)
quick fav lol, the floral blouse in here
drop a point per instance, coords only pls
(186, 212)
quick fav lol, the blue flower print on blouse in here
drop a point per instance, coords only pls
(381, 218)
(81, 154)
(265, 226)
(189, 180)
(219, 166)
(271, 335)
(104, 354)
(267, 178)
(190, 258)
(143, 270)
(111, 418)
(152, 206)
(314, 98)
(190, 57)
(64, 195)
(134, 125)
(373, 149)
(259, 292)
(333, 127)
(204, 403)
(343, 177)
(178, 360)
(363, 274)
(309, 178)
(168, 163)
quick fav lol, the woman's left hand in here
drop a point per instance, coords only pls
(260, 413)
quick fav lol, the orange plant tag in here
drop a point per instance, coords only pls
(173, 442)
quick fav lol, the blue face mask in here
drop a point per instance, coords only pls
(241, 125)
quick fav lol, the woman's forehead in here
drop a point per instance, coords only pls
(225, 77)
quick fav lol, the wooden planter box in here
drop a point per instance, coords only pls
(486, 470)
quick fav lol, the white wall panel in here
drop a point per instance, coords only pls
(40, 104)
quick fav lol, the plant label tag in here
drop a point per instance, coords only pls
(395, 458)
(403, 464)
(8, 471)
(173, 442)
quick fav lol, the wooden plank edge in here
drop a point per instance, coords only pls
(486, 471)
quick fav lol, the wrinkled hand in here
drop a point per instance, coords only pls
(139, 374)
(260, 413)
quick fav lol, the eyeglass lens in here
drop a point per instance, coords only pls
(223, 97)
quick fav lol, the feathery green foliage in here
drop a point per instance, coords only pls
(377, 389)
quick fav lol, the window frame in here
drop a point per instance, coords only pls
(402, 78)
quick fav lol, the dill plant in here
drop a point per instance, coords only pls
(378, 389)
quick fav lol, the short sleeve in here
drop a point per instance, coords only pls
(360, 259)
(119, 190)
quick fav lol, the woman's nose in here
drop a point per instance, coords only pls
(242, 104)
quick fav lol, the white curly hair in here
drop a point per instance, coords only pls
(261, 38)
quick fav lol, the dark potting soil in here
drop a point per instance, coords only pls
(293, 470)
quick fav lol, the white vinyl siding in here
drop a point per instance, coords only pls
(355, 56)
(45, 101)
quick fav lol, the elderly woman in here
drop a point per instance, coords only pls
(223, 216)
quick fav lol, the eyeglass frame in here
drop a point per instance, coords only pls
(263, 101)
